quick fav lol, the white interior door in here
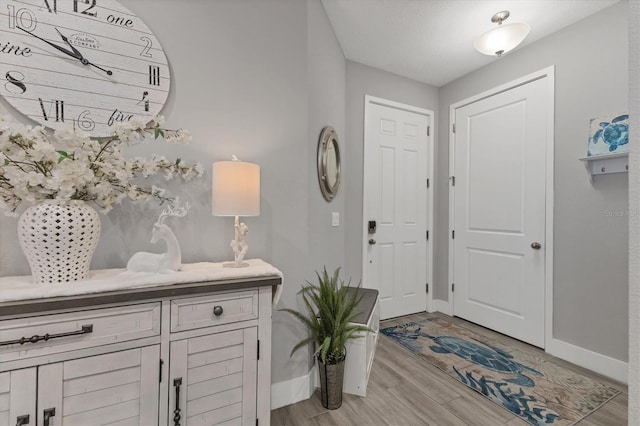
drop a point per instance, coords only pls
(397, 146)
(499, 211)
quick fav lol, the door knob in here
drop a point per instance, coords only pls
(371, 241)
(536, 246)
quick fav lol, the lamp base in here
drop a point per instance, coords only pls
(239, 245)
(235, 265)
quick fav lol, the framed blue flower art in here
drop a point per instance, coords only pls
(608, 135)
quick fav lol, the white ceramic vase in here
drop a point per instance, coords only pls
(59, 239)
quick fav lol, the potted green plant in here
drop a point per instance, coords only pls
(330, 309)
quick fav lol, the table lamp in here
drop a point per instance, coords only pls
(236, 192)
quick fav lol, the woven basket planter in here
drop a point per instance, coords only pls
(59, 239)
(331, 380)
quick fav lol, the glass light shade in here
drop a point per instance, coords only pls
(501, 39)
(236, 189)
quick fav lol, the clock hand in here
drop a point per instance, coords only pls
(79, 55)
(76, 52)
(108, 72)
(60, 48)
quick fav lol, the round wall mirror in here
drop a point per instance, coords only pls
(328, 163)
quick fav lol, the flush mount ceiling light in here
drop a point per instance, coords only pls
(502, 39)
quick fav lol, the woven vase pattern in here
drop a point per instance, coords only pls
(331, 381)
(59, 239)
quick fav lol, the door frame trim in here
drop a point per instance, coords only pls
(549, 73)
(372, 100)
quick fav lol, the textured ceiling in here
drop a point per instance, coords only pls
(432, 40)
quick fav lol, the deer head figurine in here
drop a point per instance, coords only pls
(167, 262)
(159, 226)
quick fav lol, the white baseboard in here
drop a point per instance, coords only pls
(294, 390)
(598, 363)
(442, 306)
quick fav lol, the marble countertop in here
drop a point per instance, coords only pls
(22, 288)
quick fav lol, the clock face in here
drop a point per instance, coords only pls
(89, 63)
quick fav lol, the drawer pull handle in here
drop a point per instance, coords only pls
(22, 420)
(47, 414)
(217, 310)
(176, 413)
(86, 329)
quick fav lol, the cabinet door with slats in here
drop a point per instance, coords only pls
(119, 388)
(18, 397)
(213, 379)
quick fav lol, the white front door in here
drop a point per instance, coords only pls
(397, 165)
(499, 211)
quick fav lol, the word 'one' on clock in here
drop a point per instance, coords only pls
(89, 63)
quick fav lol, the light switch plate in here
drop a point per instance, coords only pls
(335, 219)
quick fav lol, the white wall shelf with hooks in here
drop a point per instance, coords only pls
(605, 164)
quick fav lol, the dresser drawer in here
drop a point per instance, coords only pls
(47, 334)
(217, 309)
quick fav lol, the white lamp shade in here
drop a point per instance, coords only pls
(236, 189)
(501, 39)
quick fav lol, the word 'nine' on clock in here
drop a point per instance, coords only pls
(9, 48)
(119, 117)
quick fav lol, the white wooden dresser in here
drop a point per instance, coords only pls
(189, 348)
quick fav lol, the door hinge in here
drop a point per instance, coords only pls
(427, 287)
(453, 234)
(428, 183)
(453, 287)
(258, 350)
(257, 421)
(454, 127)
(427, 235)
(160, 374)
(453, 180)
(428, 130)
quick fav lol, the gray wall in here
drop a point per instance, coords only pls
(590, 246)
(242, 84)
(326, 107)
(634, 217)
(363, 80)
(326, 82)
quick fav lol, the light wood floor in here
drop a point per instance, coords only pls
(406, 390)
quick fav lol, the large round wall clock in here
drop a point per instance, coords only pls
(89, 63)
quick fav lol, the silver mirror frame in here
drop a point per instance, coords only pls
(328, 136)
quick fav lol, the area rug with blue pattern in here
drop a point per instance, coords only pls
(530, 386)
